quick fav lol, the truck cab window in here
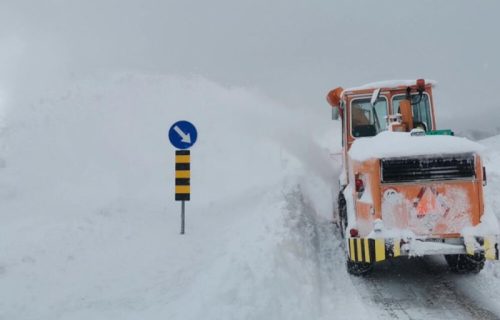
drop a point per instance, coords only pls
(420, 107)
(368, 120)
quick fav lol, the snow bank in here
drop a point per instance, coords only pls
(397, 144)
(493, 143)
(491, 157)
(90, 229)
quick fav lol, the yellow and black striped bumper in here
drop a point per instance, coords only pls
(373, 250)
(488, 245)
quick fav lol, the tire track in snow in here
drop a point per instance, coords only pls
(334, 295)
(418, 288)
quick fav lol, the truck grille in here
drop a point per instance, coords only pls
(446, 167)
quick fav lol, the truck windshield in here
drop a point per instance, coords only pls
(368, 120)
(420, 107)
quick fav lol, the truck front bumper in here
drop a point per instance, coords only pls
(374, 250)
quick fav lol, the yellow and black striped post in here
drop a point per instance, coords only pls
(182, 181)
(182, 175)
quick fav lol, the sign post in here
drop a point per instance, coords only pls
(183, 217)
(182, 135)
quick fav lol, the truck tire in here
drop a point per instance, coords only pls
(462, 263)
(342, 214)
(354, 268)
(358, 268)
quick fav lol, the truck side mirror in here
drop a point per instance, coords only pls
(335, 113)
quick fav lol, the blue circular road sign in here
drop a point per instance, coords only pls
(182, 134)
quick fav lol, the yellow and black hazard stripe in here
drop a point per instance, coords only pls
(490, 248)
(182, 175)
(373, 250)
(487, 245)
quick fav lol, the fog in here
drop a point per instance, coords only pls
(293, 51)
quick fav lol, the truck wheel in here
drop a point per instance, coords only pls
(462, 263)
(359, 268)
(342, 214)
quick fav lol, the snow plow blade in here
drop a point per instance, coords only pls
(369, 250)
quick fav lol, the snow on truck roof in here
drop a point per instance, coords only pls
(389, 84)
(389, 144)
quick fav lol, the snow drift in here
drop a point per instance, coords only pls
(90, 228)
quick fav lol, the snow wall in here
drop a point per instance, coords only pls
(90, 228)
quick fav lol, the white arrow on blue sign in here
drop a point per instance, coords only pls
(182, 134)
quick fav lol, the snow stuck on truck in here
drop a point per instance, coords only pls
(408, 188)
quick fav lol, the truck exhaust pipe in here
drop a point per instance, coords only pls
(406, 114)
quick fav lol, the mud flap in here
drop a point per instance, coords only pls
(373, 250)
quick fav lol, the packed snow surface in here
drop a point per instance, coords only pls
(389, 144)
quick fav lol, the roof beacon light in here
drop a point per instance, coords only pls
(421, 85)
(333, 97)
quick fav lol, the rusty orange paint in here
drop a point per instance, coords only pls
(421, 199)
(388, 93)
(427, 202)
(424, 198)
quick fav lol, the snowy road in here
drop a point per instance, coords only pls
(423, 289)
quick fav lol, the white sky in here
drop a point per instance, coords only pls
(294, 50)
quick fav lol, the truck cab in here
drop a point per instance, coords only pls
(407, 188)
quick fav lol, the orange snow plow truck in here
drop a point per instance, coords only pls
(406, 188)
